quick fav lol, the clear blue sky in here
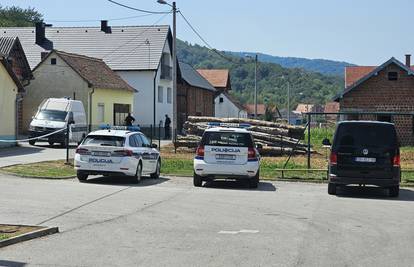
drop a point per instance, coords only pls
(364, 32)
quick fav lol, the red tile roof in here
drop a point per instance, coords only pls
(261, 109)
(219, 78)
(355, 73)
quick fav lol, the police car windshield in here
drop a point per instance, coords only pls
(227, 139)
(104, 140)
(51, 115)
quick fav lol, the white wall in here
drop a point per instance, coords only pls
(227, 109)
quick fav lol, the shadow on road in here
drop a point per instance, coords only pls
(19, 151)
(11, 263)
(372, 192)
(239, 185)
(125, 181)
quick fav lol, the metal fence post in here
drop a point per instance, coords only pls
(67, 142)
(152, 134)
(309, 140)
(159, 137)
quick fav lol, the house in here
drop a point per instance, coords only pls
(141, 55)
(228, 107)
(385, 88)
(305, 108)
(261, 110)
(106, 97)
(295, 117)
(10, 91)
(12, 51)
(219, 78)
(195, 95)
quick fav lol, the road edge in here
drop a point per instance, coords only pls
(29, 236)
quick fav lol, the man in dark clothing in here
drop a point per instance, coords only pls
(129, 119)
(167, 127)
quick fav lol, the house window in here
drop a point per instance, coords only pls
(101, 112)
(160, 94)
(385, 118)
(169, 95)
(221, 100)
(53, 61)
(392, 76)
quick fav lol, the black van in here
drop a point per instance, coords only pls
(365, 153)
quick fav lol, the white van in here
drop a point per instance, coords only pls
(54, 114)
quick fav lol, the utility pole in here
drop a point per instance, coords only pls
(288, 102)
(174, 56)
(255, 87)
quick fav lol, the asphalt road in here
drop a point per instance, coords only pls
(168, 222)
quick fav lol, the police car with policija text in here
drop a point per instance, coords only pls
(115, 151)
(227, 151)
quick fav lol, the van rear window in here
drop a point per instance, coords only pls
(367, 135)
(104, 140)
(227, 139)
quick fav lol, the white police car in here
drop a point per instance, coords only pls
(117, 151)
(227, 151)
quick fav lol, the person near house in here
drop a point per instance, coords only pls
(167, 127)
(129, 119)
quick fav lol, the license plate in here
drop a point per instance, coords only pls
(101, 154)
(368, 160)
(225, 157)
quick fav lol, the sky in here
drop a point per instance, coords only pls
(363, 32)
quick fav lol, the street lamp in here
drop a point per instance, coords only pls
(255, 83)
(174, 58)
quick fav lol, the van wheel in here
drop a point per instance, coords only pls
(332, 189)
(156, 174)
(197, 181)
(51, 143)
(138, 174)
(253, 182)
(81, 176)
(394, 191)
(32, 142)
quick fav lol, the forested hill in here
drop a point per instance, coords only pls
(324, 66)
(306, 86)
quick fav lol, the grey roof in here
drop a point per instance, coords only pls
(126, 48)
(6, 44)
(392, 60)
(193, 78)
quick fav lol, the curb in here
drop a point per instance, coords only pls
(28, 236)
(37, 177)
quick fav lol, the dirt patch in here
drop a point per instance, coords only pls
(8, 230)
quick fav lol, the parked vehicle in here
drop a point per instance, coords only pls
(54, 114)
(117, 151)
(226, 153)
(365, 153)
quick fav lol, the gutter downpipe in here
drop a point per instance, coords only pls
(90, 108)
(154, 108)
(19, 99)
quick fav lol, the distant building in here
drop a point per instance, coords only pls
(331, 107)
(195, 95)
(227, 106)
(386, 88)
(261, 110)
(219, 78)
(106, 97)
(305, 108)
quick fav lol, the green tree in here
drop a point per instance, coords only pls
(18, 17)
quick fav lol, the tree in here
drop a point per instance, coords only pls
(18, 17)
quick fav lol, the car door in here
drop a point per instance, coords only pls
(134, 146)
(141, 150)
(149, 155)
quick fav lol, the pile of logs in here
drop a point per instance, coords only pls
(276, 138)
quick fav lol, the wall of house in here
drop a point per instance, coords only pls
(109, 97)
(378, 94)
(58, 80)
(227, 109)
(8, 91)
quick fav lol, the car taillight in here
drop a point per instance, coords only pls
(82, 151)
(396, 160)
(333, 159)
(200, 152)
(122, 153)
(251, 154)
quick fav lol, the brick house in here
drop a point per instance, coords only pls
(386, 88)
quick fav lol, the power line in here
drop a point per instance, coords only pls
(137, 9)
(97, 20)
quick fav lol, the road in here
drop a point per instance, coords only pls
(168, 222)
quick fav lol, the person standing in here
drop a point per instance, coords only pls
(167, 127)
(129, 119)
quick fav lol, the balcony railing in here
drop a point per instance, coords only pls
(166, 72)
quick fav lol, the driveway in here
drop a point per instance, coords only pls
(168, 222)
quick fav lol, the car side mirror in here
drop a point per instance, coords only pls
(70, 118)
(326, 142)
(154, 146)
(259, 146)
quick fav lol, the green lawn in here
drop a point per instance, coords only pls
(48, 169)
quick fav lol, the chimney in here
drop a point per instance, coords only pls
(408, 60)
(104, 26)
(40, 33)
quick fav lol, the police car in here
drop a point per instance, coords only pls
(227, 151)
(117, 151)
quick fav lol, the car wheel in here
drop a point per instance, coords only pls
(138, 174)
(82, 177)
(32, 142)
(197, 181)
(332, 189)
(394, 191)
(254, 182)
(156, 174)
